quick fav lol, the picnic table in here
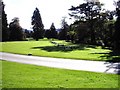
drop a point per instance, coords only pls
(61, 45)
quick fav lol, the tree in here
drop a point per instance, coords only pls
(53, 32)
(90, 12)
(16, 31)
(47, 34)
(28, 33)
(103, 28)
(38, 26)
(64, 30)
(117, 28)
(81, 31)
(5, 32)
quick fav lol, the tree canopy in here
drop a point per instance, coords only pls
(53, 31)
(16, 31)
(38, 26)
(117, 28)
(5, 32)
(89, 12)
(64, 30)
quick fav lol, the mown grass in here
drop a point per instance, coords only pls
(0, 68)
(16, 75)
(0, 74)
(45, 48)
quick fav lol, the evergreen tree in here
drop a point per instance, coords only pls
(16, 32)
(38, 26)
(90, 12)
(117, 29)
(28, 34)
(5, 33)
(80, 32)
(53, 32)
(64, 30)
(47, 34)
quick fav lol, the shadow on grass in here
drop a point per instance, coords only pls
(112, 57)
(112, 62)
(66, 48)
(56, 48)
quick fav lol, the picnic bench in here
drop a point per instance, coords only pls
(57, 44)
(61, 45)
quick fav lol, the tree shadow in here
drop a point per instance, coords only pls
(112, 62)
(115, 57)
(112, 56)
(113, 66)
(66, 48)
(58, 48)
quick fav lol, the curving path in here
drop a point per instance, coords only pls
(93, 66)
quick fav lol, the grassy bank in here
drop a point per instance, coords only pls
(0, 74)
(45, 48)
(17, 75)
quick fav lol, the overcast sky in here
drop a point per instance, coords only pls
(51, 11)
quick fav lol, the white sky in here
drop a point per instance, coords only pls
(51, 11)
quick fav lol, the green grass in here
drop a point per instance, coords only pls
(0, 74)
(45, 48)
(16, 75)
(0, 68)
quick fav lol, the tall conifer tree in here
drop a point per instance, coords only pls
(38, 26)
(5, 33)
(117, 28)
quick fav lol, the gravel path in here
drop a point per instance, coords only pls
(93, 66)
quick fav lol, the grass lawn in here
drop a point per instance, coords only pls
(0, 74)
(45, 48)
(16, 75)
